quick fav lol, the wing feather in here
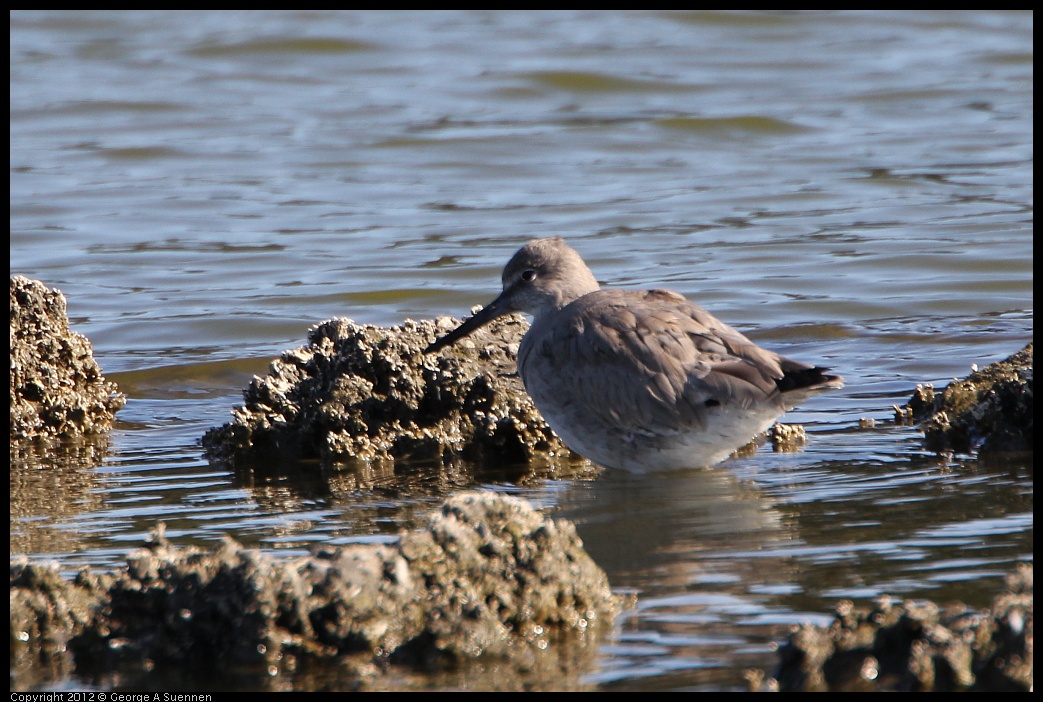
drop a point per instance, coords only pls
(645, 362)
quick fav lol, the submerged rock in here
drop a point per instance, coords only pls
(989, 411)
(488, 577)
(365, 392)
(916, 646)
(57, 389)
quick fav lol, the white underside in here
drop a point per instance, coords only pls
(725, 432)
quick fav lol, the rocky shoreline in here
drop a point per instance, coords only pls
(487, 577)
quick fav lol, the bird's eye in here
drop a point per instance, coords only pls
(528, 275)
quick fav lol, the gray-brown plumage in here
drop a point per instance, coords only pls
(641, 380)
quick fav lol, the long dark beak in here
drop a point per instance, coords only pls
(496, 308)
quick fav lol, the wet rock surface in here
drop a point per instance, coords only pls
(364, 392)
(916, 646)
(57, 389)
(989, 411)
(489, 577)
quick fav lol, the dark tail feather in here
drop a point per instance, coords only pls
(799, 376)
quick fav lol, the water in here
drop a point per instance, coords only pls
(849, 188)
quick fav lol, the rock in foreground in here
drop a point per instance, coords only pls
(488, 578)
(917, 646)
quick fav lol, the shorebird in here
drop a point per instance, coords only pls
(638, 379)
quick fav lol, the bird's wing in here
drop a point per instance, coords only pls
(649, 361)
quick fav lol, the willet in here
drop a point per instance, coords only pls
(641, 380)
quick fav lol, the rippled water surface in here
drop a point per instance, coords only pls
(850, 188)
